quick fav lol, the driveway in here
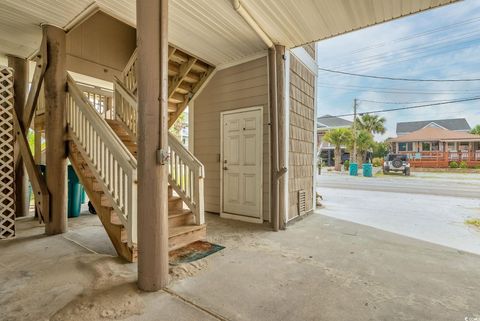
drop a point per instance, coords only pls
(428, 206)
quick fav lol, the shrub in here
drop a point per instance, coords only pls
(346, 165)
(462, 165)
(377, 162)
(453, 164)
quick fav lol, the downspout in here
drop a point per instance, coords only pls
(277, 173)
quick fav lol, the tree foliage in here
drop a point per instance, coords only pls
(380, 149)
(476, 130)
(338, 137)
(364, 142)
(373, 124)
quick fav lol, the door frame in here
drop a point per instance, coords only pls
(240, 217)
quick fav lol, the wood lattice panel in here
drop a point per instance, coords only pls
(7, 139)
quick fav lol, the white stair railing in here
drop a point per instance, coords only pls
(185, 175)
(125, 107)
(100, 98)
(185, 171)
(129, 74)
(109, 160)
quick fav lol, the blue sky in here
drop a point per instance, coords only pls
(443, 43)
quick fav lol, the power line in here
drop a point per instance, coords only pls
(411, 36)
(397, 91)
(402, 102)
(407, 54)
(395, 79)
(409, 107)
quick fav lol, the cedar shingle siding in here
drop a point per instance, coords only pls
(301, 129)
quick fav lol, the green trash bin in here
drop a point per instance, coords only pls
(367, 170)
(353, 169)
(74, 193)
(82, 195)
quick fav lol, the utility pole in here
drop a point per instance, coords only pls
(353, 159)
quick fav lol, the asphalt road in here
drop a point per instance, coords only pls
(426, 206)
(440, 184)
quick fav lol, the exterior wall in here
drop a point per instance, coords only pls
(100, 46)
(240, 86)
(301, 132)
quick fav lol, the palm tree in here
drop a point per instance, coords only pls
(338, 137)
(364, 143)
(373, 124)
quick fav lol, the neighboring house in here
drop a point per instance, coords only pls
(432, 146)
(326, 150)
(456, 124)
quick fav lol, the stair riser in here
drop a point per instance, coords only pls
(114, 219)
(105, 201)
(185, 219)
(175, 204)
(182, 240)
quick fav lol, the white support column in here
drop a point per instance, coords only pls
(152, 42)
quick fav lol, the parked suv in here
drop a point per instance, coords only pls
(396, 163)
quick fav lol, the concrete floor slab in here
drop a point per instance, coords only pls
(320, 269)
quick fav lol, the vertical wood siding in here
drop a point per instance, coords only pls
(241, 86)
(301, 144)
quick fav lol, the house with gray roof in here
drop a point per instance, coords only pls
(455, 124)
(324, 124)
(328, 122)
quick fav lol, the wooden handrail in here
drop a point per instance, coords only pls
(108, 158)
(129, 74)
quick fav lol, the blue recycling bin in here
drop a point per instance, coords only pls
(367, 170)
(353, 169)
(74, 193)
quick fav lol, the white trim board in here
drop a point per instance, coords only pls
(307, 60)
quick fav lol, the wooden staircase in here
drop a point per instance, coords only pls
(103, 153)
(105, 212)
(181, 221)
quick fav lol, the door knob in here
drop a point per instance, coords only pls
(225, 168)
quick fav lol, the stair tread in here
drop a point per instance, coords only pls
(178, 212)
(179, 230)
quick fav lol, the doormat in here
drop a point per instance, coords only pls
(192, 252)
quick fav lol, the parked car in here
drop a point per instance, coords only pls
(396, 163)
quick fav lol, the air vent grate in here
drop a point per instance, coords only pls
(301, 202)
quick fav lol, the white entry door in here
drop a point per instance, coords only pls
(242, 164)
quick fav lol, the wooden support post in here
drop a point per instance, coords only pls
(55, 128)
(20, 66)
(152, 42)
(282, 136)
